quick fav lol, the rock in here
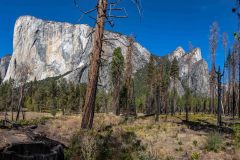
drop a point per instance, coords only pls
(51, 49)
(192, 67)
(178, 53)
(4, 63)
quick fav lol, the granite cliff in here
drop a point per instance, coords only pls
(52, 49)
(193, 68)
(4, 63)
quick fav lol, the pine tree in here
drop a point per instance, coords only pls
(174, 73)
(117, 68)
(150, 83)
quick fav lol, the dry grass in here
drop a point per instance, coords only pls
(164, 139)
(28, 115)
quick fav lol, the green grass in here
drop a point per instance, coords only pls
(236, 129)
(214, 142)
(36, 121)
(195, 156)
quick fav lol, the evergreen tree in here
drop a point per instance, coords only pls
(174, 73)
(116, 70)
(150, 84)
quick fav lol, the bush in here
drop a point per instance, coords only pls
(83, 146)
(236, 130)
(195, 143)
(214, 142)
(36, 121)
(195, 156)
(147, 156)
(107, 144)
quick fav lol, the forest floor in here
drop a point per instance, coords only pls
(141, 138)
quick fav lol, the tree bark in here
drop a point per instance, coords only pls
(174, 98)
(239, 84)
(89, 106)
(158, 105)
(19, 108)
(116, 94)
(128, 80)
(186, 109)
(219, 109)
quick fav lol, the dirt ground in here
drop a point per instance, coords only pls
(167, 139)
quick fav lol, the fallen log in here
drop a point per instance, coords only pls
(38, 147)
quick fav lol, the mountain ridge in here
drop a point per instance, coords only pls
(56, 48)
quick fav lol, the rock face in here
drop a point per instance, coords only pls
(4, 63)
(193, 70)
(51, 49)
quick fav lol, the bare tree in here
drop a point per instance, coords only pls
(233, 85)
(225, 44)
(105, 14)
(187, 105)
(229, 68)
(219, 109)
(213, 39)
(131, 110)
(158, 79)
(22, 73)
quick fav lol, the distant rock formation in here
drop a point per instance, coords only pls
(52, 49)
(192, 67)
(4, 63)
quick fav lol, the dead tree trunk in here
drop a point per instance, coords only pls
(158, 105)
(219, 110)
(19, 107)
(238, 83)
(233, 84)
(174, 97)
(116, 94)
(89, 106)
(128, 80)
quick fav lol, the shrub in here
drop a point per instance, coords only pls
(180, 149)
(36, 121)
(236, 130)
(195, 156)
(214, 142)
(83, 146)
(195, 143)
(170, 158)
(105, 144)
(147, 156)
(180, 143)
(53, 112)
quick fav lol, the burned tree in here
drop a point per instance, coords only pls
(117, 67)
(174, 73)
(219, 109)
(188, 90)
(87, 120)
(150, 84)
(225, 45)
(233, 85)
(236, 10)
(229, 69)
(130, 106)
(159, 79)
(22, 72)
(213, 38)
(105, 11)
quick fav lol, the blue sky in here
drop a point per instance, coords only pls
(165, 24)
